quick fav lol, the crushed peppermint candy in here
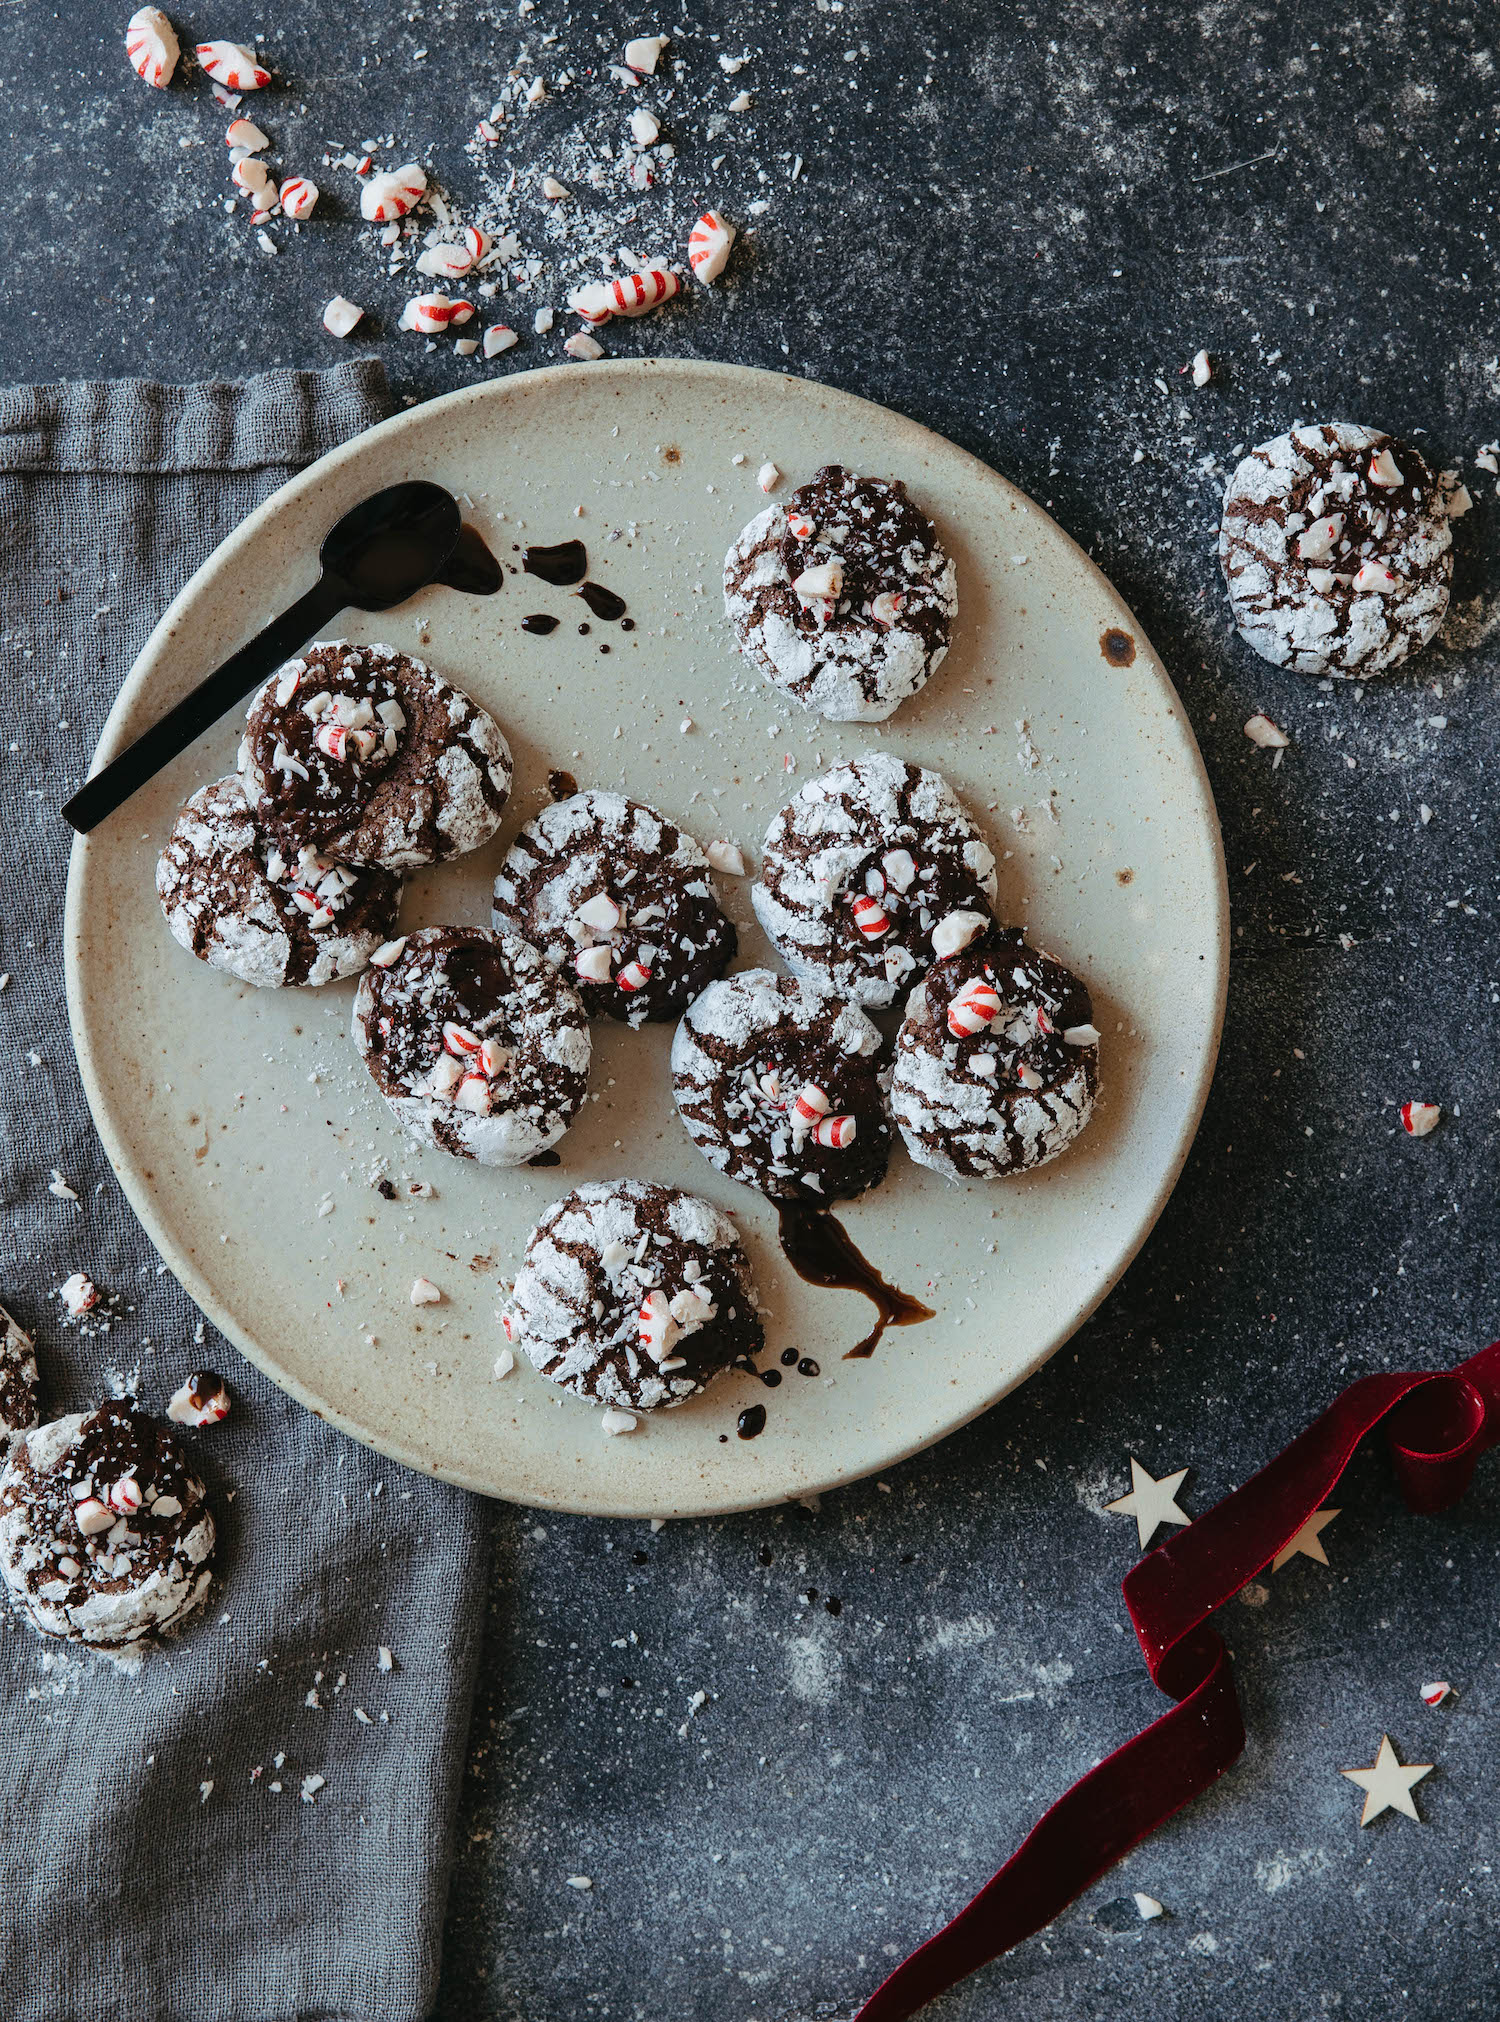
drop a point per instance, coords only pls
(341, 315)
(202, 1400)
(581, 345)
(644, 52)
(431, 314)
(1435, 1693)
(425, 1293)
(393, 193)
(499, 337)
(709, 245)
(79, 1293)
(768, 477)
(152, 46)
(612, 1422)
(956, 930)
(1268, 735)
(1202, 368)
(298, 197)
(232, 65)
(1420, 1119)
(726, 857)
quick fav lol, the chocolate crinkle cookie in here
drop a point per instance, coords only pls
(860, 870)
(235, 900)
(475, 1041)
(1336, 548)
(997, 1061)
(781, 1085)
(843, 597)
(620, 901)
(105, 1534)
(634, 1295)
(371, 758)
(19, 1382)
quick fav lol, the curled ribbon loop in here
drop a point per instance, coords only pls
(1437, 1426)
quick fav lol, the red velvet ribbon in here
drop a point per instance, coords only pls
(1438, 1425)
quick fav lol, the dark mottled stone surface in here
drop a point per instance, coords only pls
(1016, 225)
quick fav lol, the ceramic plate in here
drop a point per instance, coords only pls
(248, 1135)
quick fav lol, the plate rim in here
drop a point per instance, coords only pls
(137, 1190)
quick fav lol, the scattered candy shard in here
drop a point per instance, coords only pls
(339, 319)
(1148, 1907)
(392, 193)
(499, 337)
(202, 1400)
(1151, 1502)
(1387, 1783)
(1202, 369)
(79, 1293)
(425, 1293)
(1420, 1119)
(645, 129)
(152, 46)
(1307, 1542)
(643, 53)
(246, 134)
(726, 857)
(956, 930)
(432, 314)
(768, 477)
(232, 65)
(708, 247)
(581, 345)
(612, 1422)
(298, 196)
(1435, 1693)
(1268, 735)
(631, 295)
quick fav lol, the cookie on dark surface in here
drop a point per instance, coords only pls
(368, 756)
(1336, 549)
(781, 1085)
(19, 1381)
(843, 597)
(105, 1534)
(620, 901)
(233, 899)
(997, 1061)
(634, 1295)
(858, 871)
(475, 1041)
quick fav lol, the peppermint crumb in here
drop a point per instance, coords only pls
(312, 1698)
(580, 1881)
(311, 1785)
(60, 1187)
(205, 1791)
(384, 1658)
(362, 1717)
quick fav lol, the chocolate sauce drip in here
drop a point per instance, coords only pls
(561, 785)
(819, 1249)
(548, 1157)
(603, 603)
(566, 563)
(540, 623)
(751, 1422)
(471, 566)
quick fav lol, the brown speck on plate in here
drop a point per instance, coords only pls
(1117, 647)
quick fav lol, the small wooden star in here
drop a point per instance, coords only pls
(1307, 1541)
(1151, 1503)
(1387, 1783)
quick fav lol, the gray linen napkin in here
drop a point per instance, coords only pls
(150, 1869)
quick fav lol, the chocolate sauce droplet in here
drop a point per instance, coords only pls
(603, 603)
(770, 1377)
(561, 785)
(751, 1422)
(627, 624)
(788, 1358)
(546, 1158)
(584, 630)
(566, 563)
(471, 566)
(539, 622)
(807, 1367)
(819, 1249)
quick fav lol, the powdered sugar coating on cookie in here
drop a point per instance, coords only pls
(366, 754)
(81, 1556)
(781, 1085)
(875, 830)
(19, 1382)
(1336, 550)
(843, 595)
(620, 901)
(233, 899)
(475, 1041)
(634, 1295)
(997, 1061)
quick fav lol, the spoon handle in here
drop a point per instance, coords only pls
(204, 705)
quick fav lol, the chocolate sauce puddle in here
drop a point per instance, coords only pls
(540, 622)
(562, 565)
(603, 603)
(819, 1249)
(471, 566)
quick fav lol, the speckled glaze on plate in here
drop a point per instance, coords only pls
(233, 1115)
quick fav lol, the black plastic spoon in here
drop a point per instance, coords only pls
(380, 553)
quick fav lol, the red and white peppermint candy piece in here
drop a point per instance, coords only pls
(645, 127)
(656, 1326)
(1376, 577)
(836, 1131)
(883, 608)
(79, 1293)
(232, 65)
(152, 46)
(459, 1040)
(494, 1058)
(1435, 1693)
(875, 883)
(974, 1009)
(511, 1324)
(708, 246)
(124, 1496)
(593, 964)
(254, 178)
(340, 316)
(319, 915)
(603, 912)
(499, 337)
(643, 51)
(956, 930)
(631, 295)
(869, 916)
(1081, 1035)
(392, 193)
(581, 345)
(634, 976)
(447, 262)
(900, 868)
(1384, 469)
(202, 1400)
(445, 1075)
(822, 583)
(1419, 1119)
(246, 134)
(92, 1516)
(431, 314)
(1027, 1075)
(387, 952)
(478, 242)
(298, 197)
(474, 1094)
(768, 477)
(1267, 735)
(800, 527)
(333, 739)
(726, 857)
(1320, 539)
(809, 1103)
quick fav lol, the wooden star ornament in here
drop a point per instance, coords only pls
(1387, 1783)
(1308, 1540)
(1151, 1503)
